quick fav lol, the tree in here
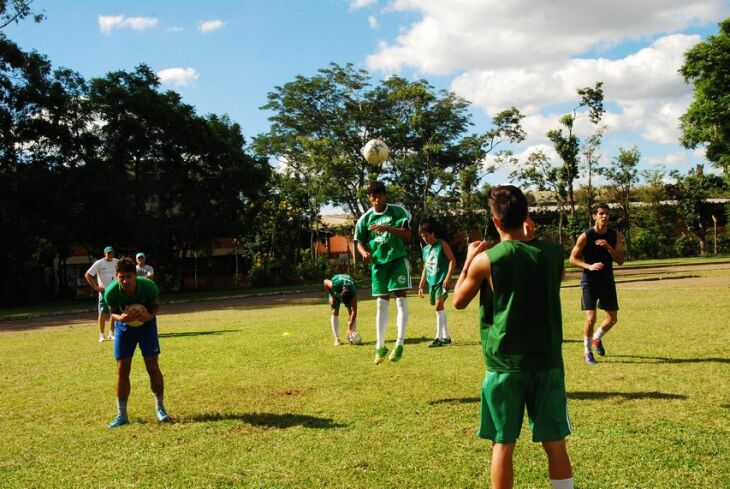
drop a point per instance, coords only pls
(622, 177)
(691, 190)
(13, 11)
(707, 120)
(567, 144)
(591, 155)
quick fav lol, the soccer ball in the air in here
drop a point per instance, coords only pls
(135, 307)
(355, 338)
(375, 151)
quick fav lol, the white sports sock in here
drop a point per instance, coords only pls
(381, 321)
(562, 483)
(444, 325)
(122, 406)
(402, 321)
(587, 344)
(599, 334)
(335, 321)
(158, 400)
(438, 325)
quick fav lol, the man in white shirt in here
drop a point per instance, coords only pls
(144, 270)
(104, 270)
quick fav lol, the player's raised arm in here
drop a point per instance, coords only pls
(476, 270)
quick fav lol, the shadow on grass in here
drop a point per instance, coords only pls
(198, 333)
(455, 400)
(572, 341)
(626, 396)
(415, 341)
(643, 359)
(267, 420)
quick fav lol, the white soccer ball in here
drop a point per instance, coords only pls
(355, 338)
(375, 151)
(135, 307)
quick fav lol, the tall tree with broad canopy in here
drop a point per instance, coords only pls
(622, 176)
(319, 125)
(707, 120)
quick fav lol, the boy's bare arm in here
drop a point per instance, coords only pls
(476, 270)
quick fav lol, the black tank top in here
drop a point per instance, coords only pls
(592, 253)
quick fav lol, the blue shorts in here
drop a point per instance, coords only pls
(126, 339)
(602, 296)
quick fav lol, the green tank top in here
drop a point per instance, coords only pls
(435, 263)
(520, 320)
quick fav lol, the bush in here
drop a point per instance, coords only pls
(646, 245)
(686, 246)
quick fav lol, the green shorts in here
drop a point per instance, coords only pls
(335, 304)
(435, 292)
(103, 307)
(505, 396)
(391, 276)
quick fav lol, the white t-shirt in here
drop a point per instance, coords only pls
(104, 271)
(145, 271)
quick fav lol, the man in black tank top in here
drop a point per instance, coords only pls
(595, 251)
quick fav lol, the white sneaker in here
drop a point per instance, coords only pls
(111, 337)
(337, 342)
(101, 337)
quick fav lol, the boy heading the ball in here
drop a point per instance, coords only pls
(129, 289)
(438, 266)
(518, 282)
(342, 288)
(595, 251)
(381, 235)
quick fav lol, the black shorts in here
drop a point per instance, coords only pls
(603, 295)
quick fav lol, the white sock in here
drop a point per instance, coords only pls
(122, 406)
(438, 325)
(599, 334)
(402, 304)
(562, 484)
(381, 321)
(444, 325)
(587, 343)
(158, 400)
(335, 321)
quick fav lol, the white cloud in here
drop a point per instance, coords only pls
(210, 25)
(179, 77)
(373, 21)
(107, 23)
(174, 29)
(358, 4)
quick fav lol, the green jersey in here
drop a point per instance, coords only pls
(146, 294)
(384, 247)
(520, 320)
(435, 262)
(340, 281)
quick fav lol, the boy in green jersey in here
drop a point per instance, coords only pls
(438, 266)
(126, 290)
(381, 235)
(518, 282)
(341, 288)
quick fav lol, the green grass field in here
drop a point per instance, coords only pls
(256, 407)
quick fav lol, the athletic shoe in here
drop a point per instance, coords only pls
(337, 342)
(435, 343)
(119, 421)
(588, 357)
(162, 415)
(445, 341)
(101, 337)
(380, 354)
(111, 337)
(397, 353)
(598, 345)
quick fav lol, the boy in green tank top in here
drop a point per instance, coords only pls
(381, 235)
(438, 266)
(518, 282)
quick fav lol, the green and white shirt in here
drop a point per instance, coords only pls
(340, 281)
(384, 247)
(435, 263)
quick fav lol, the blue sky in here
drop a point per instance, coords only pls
(225, 56)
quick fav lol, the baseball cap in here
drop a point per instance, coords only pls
(108, 249)
(140, 255)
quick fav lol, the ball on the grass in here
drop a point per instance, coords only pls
(135, 307)
(355, 338)
(375, 151)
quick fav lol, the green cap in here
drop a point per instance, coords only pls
(108, 249)
(140, 255)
